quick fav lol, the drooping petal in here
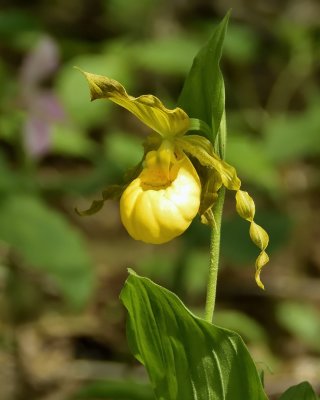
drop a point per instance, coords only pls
(200, 148)
(246, 209)
(148, 108)
(261, 261)
(211, 183)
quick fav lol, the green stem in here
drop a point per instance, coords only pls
(220, 148)
(214, 257)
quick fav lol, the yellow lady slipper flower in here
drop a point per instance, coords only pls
(164, 193)
(161, 203)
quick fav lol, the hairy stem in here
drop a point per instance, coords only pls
(220, 148)
(214, 257)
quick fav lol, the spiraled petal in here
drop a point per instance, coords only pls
(258, 235)
(245, 205)
(246, 209)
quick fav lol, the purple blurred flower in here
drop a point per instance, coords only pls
(41, 62)
(42, 106)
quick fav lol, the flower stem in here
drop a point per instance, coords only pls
(214, 257)
(220, 147)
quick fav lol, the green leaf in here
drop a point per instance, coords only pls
(303, 391)
(122, 149)
(166, 55)
(302, 320)
(203, 96)
(186, 357)
(73, 91)
(249, 158)
(71, 142)
(46, 241)
(241, 44)
(292, 136)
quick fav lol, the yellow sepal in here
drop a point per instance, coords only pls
(148, 108)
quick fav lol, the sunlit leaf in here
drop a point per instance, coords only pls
(186, 357)
(202, 96)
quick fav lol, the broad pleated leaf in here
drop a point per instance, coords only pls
(303, 391)
(186, 357)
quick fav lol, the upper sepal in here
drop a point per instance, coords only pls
(148, 108)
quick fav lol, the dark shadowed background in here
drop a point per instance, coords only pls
(62, 327)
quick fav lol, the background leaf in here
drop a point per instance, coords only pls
(186, 357)
(202, 96)
(160, 55)
(248, 156)
(45, 240)
(303, 391)
(302, 320)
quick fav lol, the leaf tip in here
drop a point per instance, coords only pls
(132, 272)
